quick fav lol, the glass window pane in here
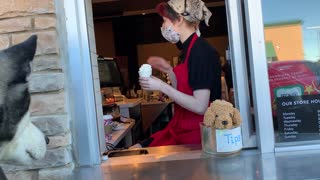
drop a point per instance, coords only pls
(292, 39)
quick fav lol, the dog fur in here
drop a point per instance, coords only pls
(20, 141)
(222, 115)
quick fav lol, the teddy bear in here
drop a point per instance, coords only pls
(222, 115)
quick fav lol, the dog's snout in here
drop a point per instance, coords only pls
(47, 139)
(224, 123)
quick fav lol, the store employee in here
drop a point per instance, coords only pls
(196, 80)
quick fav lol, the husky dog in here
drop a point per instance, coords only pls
(20, 141)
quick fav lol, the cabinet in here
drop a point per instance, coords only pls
(131, 108)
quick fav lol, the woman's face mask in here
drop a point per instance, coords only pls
(169, 34)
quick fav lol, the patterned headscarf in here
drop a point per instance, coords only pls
(196, 9)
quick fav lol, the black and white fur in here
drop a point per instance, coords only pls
(20, 141)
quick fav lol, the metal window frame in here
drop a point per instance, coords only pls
(82, 102)
(239, 69)
(80, 85)
(259, 76)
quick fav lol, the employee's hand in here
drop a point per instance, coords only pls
(151, 84)
(160, 64)
(135, 146)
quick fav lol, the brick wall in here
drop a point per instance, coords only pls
(18, 20)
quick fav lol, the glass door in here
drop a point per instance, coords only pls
(292, 40)
(284, 54)
(259, 75)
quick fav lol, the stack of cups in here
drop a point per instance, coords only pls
(108, 127)
(145, 70)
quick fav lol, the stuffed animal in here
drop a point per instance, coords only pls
(222, 115)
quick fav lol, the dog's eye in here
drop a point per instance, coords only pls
(230, 114)
(216, 115)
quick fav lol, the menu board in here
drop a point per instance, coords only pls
(298, 118)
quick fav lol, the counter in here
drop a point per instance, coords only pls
(159, 154)
(249, 165)
(150, 112)
(123, 132)
(127, 103)
(125, 106)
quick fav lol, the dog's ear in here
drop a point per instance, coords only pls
(209, 118)
(23, 52)
(14, 93)
(236, 118)
(15, 63)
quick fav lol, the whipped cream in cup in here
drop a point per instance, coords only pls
(145, 70)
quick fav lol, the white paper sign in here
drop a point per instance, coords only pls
(228, 140)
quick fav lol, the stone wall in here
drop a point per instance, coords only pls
(18, 20)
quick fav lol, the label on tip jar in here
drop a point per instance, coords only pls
(228, 140)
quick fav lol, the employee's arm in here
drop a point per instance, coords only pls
(197, 103)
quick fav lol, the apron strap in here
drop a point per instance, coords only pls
(194, 38)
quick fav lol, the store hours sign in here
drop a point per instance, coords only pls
(298, 118)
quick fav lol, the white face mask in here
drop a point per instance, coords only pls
(170, 35)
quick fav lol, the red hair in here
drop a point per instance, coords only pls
(165, 10)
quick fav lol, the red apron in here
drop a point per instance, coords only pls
(184, 127)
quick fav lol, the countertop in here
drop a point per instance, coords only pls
(150, 112)
(146, 103)
(127, 103)
(117, 135)
(249, 165)
(158, 154)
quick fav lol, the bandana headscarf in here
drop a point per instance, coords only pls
(196, 9)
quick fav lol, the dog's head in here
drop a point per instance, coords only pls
(20, 141)
(222, 115)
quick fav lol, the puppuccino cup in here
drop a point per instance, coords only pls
(145, 70)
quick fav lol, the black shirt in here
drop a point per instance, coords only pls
(204, 67)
